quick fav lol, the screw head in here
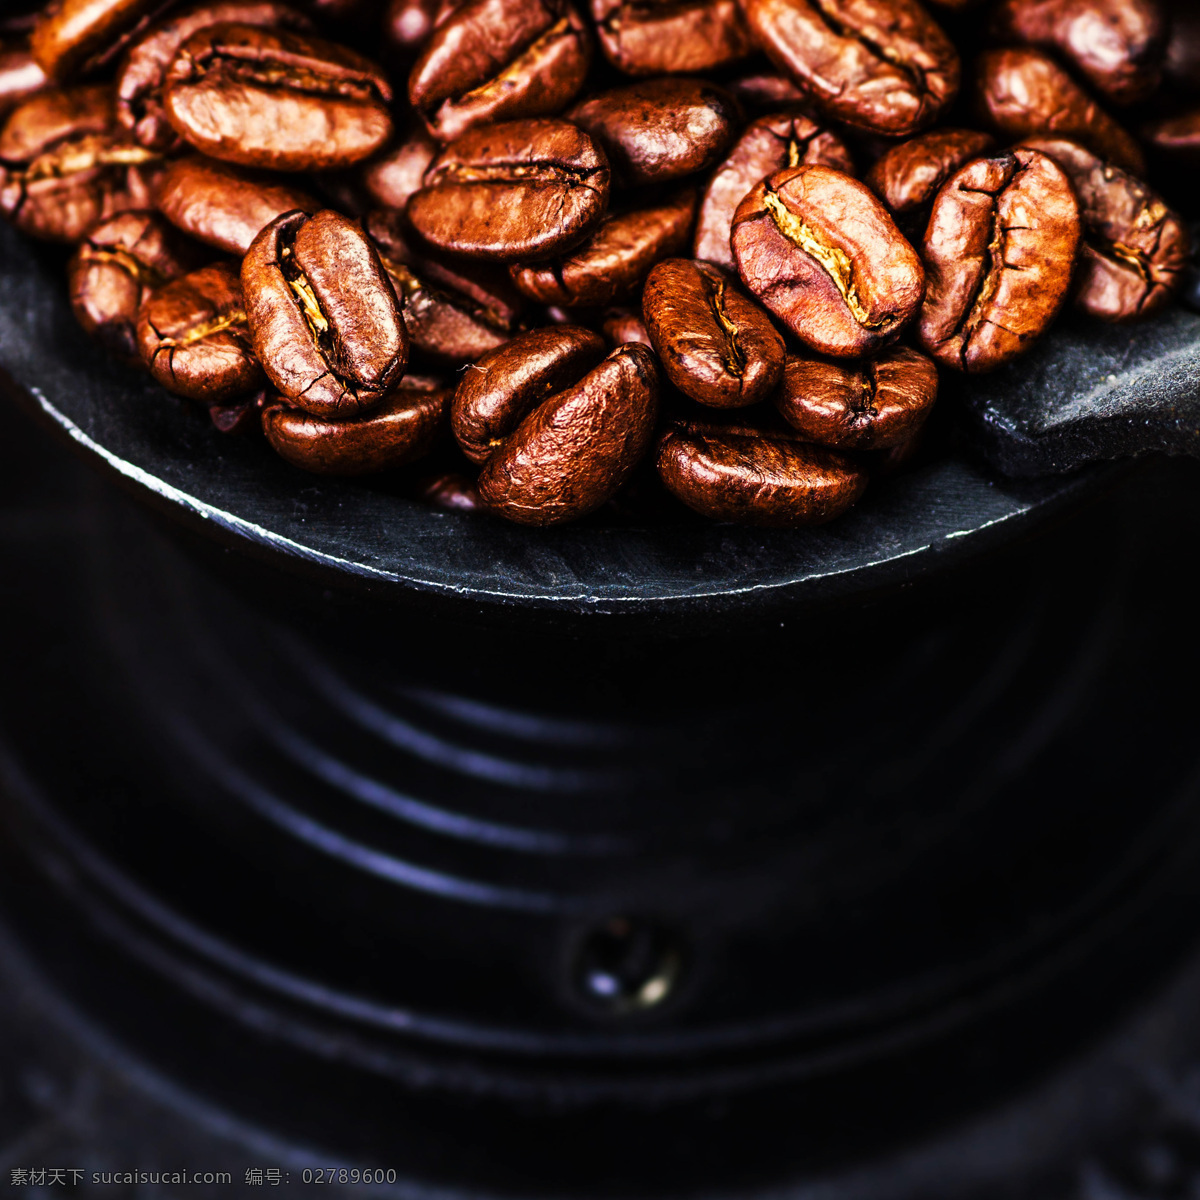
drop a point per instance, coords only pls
(627, 965)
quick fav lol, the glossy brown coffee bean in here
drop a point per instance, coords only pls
(880, 65)
(1135, 249)
(20, 76)
(870, 405)
(821, 252)
(193, 337)
(1023, 93)
(715, 344)
(660, 130)
(1176, 140)
(763, 91)
(909, 176)
(398, 430)
(392, 177)
(1117, 46)
(117, 266)
(671, 39)
(621, 325)
(512, 191)
(616, 258)
(756, 473)
(225, 206)
(64, 164)
(270, 98)
(768, 145)
(576, 449)
(144, 69)
(323, 314)
(1000, 249)
(496, 394)
(499, 60)
(74, 36)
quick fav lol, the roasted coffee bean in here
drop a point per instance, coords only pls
(1135, 248)
(64, 164)
(756, 473)
(760, 92)
(241, 419)
(879, 65)
(1116, 45)
(76, 36)
(225, 206)
(623, 325)
(641, 37)
(512, 191)
(408, 23)
(659, 130)
(192, 335)
(822, 253)
(391, 178)
(117, 266)
(20, 76)
(578, 446)
(399, 430)
(271, 98)
(1023, 93)
(1176, 139)
(1000, 249)
(499, 60)
(909, 176)
(869, 405)
(614, 261)
(715, 344)
(323, 314)
(768, 145)
(144, 70)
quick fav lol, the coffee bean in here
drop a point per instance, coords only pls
(242, 419)
(716, 345)
(1000, 249)
(614, 261)
(1117, 46)
(578, 446)
(225, 206)
(117, 266)
(660, 130)
(193, 337)
(144, 69)
(392, 177)
(270, 98)
(64, 164)
(73, 37)
(1023, 93)
(756, 473)
(870, 405)
(323, 314)
(671, 39)
(769, 144)
(621, 325)
(408, 23)
(1176, 139)
(499, 60)
(879, 65)
(511, 191)
(1135, 249)
(822, 253)
(399, 430)
(20, 76)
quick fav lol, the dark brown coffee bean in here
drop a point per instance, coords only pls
(909, 176)
(74, 36)
(496, 394)
(399, 430)
(1000, 249)
(716, 345)
(117, 266)
(640, 37)
(192, 335)
(869, 405)
(270, 98)
(242, 419)
(64, 164)
(822, 253)
(20, 76)
(323, 314)
(768, 145)
(578, 446)
(660, 130)
(144, 70)
(391, 178)
(512, 191)
(614, 261)
(756, 474)
(1116, 45)
(623, 325)
(880, 65)
(1176, 139)
(1023, 93)
(1135, 249)
(225, 206)
(499, 60)
(763, 91)
(408, 23)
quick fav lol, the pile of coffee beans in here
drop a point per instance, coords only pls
(565, 257)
